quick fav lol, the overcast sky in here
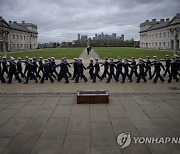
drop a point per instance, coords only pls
(62, 20)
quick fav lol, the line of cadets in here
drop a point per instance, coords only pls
(33, 67)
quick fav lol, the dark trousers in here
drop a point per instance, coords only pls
(63, 75)
(20, 72)
(80, 75)
(167, 70)
(141, 75)
(126, 75)
(173, 75)
(91, 73)
(74, 74)
(133, 71)
(16, 76)
(2, 78)
(5, 69)
(46, 75)
(111, 74)
(30, 75)
(118, 73)
(104, 74)
(158, 75)
(96, 74)
(148, 70)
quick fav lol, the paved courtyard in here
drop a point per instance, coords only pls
(54, 123)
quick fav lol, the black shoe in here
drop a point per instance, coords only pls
(36, 82)
(122, 81)
(169, 81)
(25, 83)
(85, 80)
(131, 81)
(67, 82)
(162, 81)
(107, 81)
(117, 80)
(93, 81)
(145, 81)
(52, 81)
(76, 82)
(137, 81)
(154, 82)
(19, 81)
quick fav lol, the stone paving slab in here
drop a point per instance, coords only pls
(54, 123)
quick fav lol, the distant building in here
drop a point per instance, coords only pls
(163, 34)
(84, 37)
(79, 36)
(113, 36)
(17, 36)
(103, 36)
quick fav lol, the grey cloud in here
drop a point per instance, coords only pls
(62, 20)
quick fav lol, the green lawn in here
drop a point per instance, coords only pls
(58, 53)
(130, 52)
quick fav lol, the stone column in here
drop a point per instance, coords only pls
(175, 44)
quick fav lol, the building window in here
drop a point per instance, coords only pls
(159, 35)
(164, 34)
(13, 36)
(21, 37)
(21, 46)
(24, 37)
(156, 44)
(159, 44)
(164, 44)
(168, 34)
(168, 44)
(17, 46)
(156, 35)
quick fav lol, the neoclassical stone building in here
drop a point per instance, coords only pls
(17, 36)
(163, 34)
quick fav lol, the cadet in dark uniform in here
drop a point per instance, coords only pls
(1, 75)
(119, 68)
(26, 64)
(133, 68)
(106, 68)
(142, 69)
(126, 66)
(35, 66)
(168, 64)
(174, 71)
(68, 65)
(5, 67)
(53, 62)
(91, 68)
(81, 68)
(13, 71)
(19, 67)
(178, 64)
(75, 67)
(158, 66)
(148, 67)
(46, 73)
(97, 69)
(63, 71)
(154, 64)
(111, 74)
(51, 69)
(40, 68)
(30, 71)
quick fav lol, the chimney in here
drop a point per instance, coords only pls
(15, 22)
(0, 17)
(23, 22)
(153, 20)
(10, 22)
(147, 20)
(167, 19)
(162, 20)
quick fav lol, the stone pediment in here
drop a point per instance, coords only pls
(175, 21)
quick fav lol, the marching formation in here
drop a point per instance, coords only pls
(41, 69)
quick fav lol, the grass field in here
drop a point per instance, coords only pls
(131, 52)
(58, 53)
